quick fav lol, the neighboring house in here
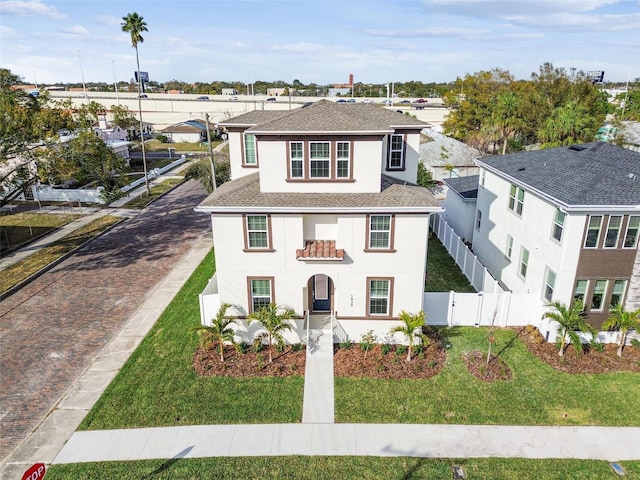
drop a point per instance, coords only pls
(229, 91)
(322, 213)
(562, 222)
(460, 205)
(114, 136)
(191, 131)
(446, 157)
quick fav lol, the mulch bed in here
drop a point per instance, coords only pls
(496, 369)
(590, 361)
(248, 364)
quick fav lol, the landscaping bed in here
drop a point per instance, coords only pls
(236, 364)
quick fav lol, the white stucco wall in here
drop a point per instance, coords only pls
(412, 157)
(460, 215)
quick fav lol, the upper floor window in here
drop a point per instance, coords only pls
(593, 231)
(319, 159)
(631, 237)
(250, 157)
(516, 199)
(613, 231)
(524, 262)
(257, 232)
(380, 232)
(343, 167)
(396, 153)
(296, 155)
(379, 296)
(617, 295)
(509, 249)
(558, 225)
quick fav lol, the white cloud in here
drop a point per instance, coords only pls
(302, 47)
(109, 20)
(30, 8)
(6, 32)
(437, 32)
(76, 30)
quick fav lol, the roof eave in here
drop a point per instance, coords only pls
(323, 132)
(307, 210)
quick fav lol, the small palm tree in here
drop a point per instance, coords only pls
(624, 321)
(219, 330)
(570, 321)
(275, 320)
(408, 328)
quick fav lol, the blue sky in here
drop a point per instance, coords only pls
(320, 41)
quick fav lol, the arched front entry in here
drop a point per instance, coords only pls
(320, 288)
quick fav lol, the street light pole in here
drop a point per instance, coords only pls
(213, 168)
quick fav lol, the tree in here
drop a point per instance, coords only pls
(134, 24)
(568, 124)
(623, 321)
(220, 330)
(122, 117)
(425, 178)
(201, 171)
(408, 328)
(275, 320)
(570, 320)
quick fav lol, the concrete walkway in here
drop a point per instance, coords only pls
(317, 405)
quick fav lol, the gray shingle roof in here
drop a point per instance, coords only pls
(243, 194)
(590, 175)
(466, 187)
(327, 116)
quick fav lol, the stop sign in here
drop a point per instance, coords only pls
(36, 472)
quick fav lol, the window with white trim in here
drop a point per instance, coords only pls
(379, 296)
(261, 289)
(509, 249)
(296, 154)
(617, 294)
(379, 232)
(631, 236)
(516, 199)
(558, 225)
(342, 160)
(250, 157)
(549, 285)
(396, 152)
(524, 262)
(613, 231)
(319, 159)
(597, 298)
(257, 227)
(580, 290)
(593, 231)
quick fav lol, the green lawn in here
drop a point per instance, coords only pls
(157, 385)
(157, 146)
(537, 394)
(20, 229)
(443, 274)
(344, 468)
(157, 191)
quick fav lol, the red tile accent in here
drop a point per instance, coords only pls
(320, 249)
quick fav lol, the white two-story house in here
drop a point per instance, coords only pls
(562, 223)
(322, 214)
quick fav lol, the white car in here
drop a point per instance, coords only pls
(233, 99)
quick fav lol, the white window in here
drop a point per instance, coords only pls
(524, 262)
(593, 231)
(250, 157)
(319, 159)
(379, 232)
(597, 299)
(631, 237)
(478, 220)
(342, 160)
(509, 249)
(613, 231)
(257, 228)
(379, 296)
(261, 293)
(297, 159)
(617, 295)
(581, 290)
(396, 152)
(549, 285)
(516, 199)
(558, 225)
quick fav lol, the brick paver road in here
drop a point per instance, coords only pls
(52, 328)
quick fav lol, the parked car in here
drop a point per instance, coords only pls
(420, 100)
(366, 100)
(387, 101)
(233, 98)
(405, 101)
(203, 98)
(342, 100)
(351, 100)
(271, 99)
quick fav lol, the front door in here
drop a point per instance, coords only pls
(321, 291)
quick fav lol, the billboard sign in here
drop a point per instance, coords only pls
(596, 76)
(144, 76)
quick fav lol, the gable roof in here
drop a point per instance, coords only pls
(327, 117)
(189, 126)
(589, 176)
(445, 150)
(466, 187)
(244, 195)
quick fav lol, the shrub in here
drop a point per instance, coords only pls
(257, 345)
(401, 350)
(635, 343)
(597, 346)
(162, 138)
(242, 347)
(296, 347)
(385, 348)
(367, 342)
(346, 345)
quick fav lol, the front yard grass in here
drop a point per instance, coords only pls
(536, 395)
(157, 191)
(20, 229)
(443, 274)
(344, 468)
(158, 386)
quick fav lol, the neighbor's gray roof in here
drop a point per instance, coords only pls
(244, 195)
(445, 150)
(466, 187)
(590, 175)
(326, 116)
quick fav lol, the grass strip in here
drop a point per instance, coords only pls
(157, 191)
(20, 229)
(344, 468)
(443, 274)
(158, 387)
(20, 271)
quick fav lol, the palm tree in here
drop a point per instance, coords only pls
(275, 320)
(570, 321)
(134, 24)
(408, 328)
(624, 321)
(220, 329)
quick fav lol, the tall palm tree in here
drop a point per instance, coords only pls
(570, 320)
(219, 330)
(275, 320)
(134, 24)
(624, 321)
(410, 323)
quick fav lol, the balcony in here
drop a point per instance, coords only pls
(320, 250)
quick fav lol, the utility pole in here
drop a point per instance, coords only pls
(213, 168)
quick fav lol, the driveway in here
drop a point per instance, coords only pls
(52, 328)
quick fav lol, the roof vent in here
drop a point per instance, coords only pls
(522, 169)
(632, 176)
(578, 148)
